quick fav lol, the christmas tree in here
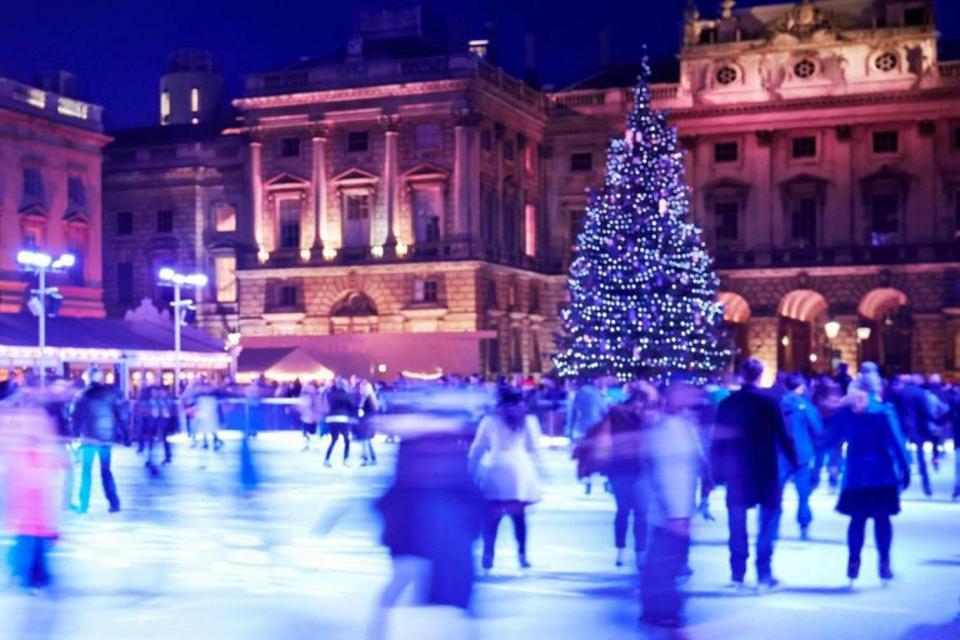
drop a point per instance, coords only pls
(643, 293)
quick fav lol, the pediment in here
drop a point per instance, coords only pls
(33, 211)
(726, 183)
(426, 171)
(355, 176)
(886, 172)
(804, 178)
(76, 216)
(286, 180)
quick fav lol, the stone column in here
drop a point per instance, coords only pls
(463, 171)
(391, 128)
(257, 199)
(319, 187)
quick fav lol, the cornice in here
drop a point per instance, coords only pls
(353, 93)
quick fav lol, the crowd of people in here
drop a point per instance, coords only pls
(469, 455)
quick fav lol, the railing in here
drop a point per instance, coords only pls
(839, 256)
(949, 69)
(451, 250)
(616, 96)
(373, 72)
(26, 98)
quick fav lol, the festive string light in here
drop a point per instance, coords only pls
(643, 293)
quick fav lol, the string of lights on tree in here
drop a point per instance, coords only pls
(643, 293)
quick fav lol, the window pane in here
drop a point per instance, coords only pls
(357, 141)
(124, 223)
(290, 224)
(727, 220)
(805, 147)
(725, 152)
(125, 282)
(290, 147)
(225, 272)
(165, 221)
(75, 192)
(804, 222)
(885, 141)
(225, 217)
(581, 161)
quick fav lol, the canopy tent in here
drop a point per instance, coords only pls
(370, 355)
(284, 365)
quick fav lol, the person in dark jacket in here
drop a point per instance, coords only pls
(750, 436)
(805, 429)
(626, 423)
(343, 412)
(913, 407)
(96, 419)
(877, 467)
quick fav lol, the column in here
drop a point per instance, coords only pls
(466, 172)
(391, 128)
(257, 199)
(319, 187)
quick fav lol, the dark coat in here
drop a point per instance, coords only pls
(97, 414)
(749, 437)
(876, 455)
(913, 410)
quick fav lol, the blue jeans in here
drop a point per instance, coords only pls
(28, 561)
(803, 481)
(106, 476)
(769, 526)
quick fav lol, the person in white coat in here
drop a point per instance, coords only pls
(504, 460)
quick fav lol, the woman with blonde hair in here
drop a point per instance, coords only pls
(877, 468)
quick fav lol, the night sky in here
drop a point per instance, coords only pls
(118, 48)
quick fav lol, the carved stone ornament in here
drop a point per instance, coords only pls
(390, 122)
(804, 22)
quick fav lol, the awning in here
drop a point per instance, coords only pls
(370, 355)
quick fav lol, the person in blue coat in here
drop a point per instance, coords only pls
(877, 468)
(749, 439)
(805, 428)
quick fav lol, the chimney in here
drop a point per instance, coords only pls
(530, 75)
(604, 50)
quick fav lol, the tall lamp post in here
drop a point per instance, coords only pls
(40, 263)
(832, 329)
(170, 278)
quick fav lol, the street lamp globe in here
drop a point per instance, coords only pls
(832, 329)
(863, 333)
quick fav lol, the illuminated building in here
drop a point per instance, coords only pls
(50, 155)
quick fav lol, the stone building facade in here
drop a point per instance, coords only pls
(175, 196)
(400, 190)
(823, 150)
(409, 186)
(50, 157)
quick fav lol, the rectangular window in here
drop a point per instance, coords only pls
(427, 212)
(165, 221)
(124, 223)
(289, 147)
(805, 147)
(358, 207)
(486, 140)
(290, 211)
(884, 218)
(508, 151)
(32, 184)
(287, 296)
(165, 107)
(76, 194)
(886, 141)
(803, 225)
(426, 291)
(358, 141)
(530, 230)
(225, 273)
(581, 161)
(125, 282)
(428, 137)
(195, 100)
(224, 217)
(726, 152)
(728, 223)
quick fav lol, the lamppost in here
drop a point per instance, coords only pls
(832, 329)
(40, 263)
(170, 278)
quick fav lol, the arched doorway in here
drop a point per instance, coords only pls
(886, 313)
(354, 312)
(800, 346)
(736, 314)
